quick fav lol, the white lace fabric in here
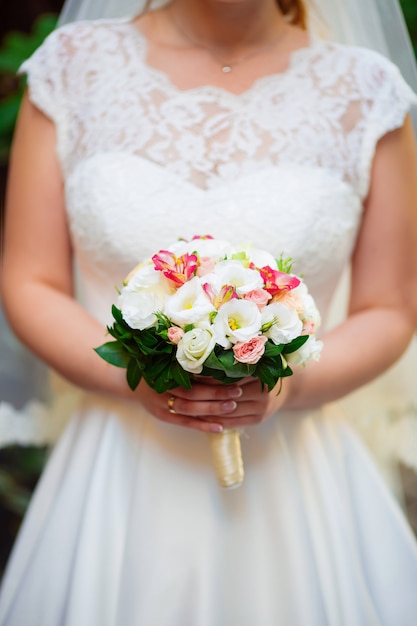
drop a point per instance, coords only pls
(133, 145)
(335, 100)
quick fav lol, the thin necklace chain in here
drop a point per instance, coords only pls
(226, 68)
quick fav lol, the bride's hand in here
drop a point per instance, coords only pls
(210, 406)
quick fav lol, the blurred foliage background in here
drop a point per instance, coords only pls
(23, 27)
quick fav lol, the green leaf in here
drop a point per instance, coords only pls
(133, 373)
(212, 362)
(233, 368)
(149, 343)
(295, 344)
(155, 367)
(180, 376)
(272, 350)
(217, 374)
(285, 264)
(287, 372)
(113, 353)
(117, 314)
(266, 375)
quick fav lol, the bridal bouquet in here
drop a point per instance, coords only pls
(204, 307)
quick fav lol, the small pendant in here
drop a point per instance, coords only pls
(226, 69)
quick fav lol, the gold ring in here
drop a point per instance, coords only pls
(171, 401)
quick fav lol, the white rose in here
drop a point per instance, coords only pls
(234, 273)
(285, 323)
(189, 304)
(237, 320)
(143, 296)
(310, 350)
(194, 348)
(138, 307)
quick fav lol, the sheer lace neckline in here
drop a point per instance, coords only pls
(294, 59)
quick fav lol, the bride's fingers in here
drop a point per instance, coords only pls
(171, 413)
(201, 408)
(209, 407)
(209, 392)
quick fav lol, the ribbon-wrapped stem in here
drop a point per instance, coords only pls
(227, 458)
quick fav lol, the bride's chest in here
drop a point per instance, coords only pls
(123, 208)
(208, 136)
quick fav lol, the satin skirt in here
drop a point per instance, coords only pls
(128, 527)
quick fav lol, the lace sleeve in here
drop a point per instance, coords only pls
(45, 73)
(390, 99)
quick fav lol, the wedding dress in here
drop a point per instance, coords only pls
(128, 526)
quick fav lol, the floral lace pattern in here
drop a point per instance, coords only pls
(327, 109)
(285, 164)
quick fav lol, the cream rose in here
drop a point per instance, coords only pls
(194, 348)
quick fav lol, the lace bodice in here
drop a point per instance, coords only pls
(286, 164)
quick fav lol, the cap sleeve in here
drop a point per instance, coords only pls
(389, 100)
(45, 73)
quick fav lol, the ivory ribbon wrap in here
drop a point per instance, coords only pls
(227, 458)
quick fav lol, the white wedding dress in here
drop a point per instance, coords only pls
(128, 526)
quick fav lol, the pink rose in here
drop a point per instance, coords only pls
(259, 296)
(205, 266)
(175, 334)
(250, 351)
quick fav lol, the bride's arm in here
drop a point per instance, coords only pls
(383, 303)
(37, 278)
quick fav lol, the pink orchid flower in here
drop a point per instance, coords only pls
(202, 237)
(226, 293)
(276, 281)
(177, 269)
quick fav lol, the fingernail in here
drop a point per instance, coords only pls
(216, 428)
(229, 406)
(235, 392)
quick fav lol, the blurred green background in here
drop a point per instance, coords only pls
(23, 26)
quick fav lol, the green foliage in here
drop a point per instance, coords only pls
(20, 467)
(148, 354)
(409, 8)
(15, 48)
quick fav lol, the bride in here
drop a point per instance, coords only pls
(234, 118)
